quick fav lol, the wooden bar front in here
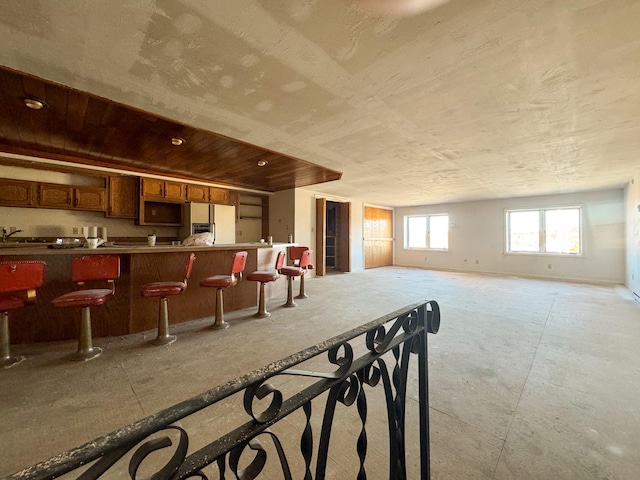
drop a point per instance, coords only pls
(129, 311)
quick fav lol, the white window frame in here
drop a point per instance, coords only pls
(542, 231)
(428, 237)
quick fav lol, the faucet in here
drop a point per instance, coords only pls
(6, 235)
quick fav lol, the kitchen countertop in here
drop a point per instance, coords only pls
(40, 249)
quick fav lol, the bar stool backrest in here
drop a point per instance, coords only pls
(295, 253)
(95, 267)
(238, 264)
(17, 276)
(280, 260)
(189, 266)
(305, 259)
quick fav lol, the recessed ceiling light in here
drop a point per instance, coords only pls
(177, 141)
(262, 163)
(34, 103)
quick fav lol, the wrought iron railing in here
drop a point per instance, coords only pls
(254, 447)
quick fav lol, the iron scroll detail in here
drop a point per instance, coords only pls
(336, 383)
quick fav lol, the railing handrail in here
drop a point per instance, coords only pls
(141, 429)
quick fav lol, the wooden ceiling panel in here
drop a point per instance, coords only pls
(85, 129)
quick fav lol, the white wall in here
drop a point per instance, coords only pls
(305, 219)
(357, 235)
(632, 200)
(477, 243)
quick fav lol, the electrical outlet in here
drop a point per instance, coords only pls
(75, 231)
(548, 265)
(477, 262)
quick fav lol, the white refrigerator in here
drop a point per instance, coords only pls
(203, 217)
(223, 218)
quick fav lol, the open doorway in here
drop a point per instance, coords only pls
(333, 234)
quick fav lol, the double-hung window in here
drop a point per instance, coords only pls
(427, 231)
(548, 230)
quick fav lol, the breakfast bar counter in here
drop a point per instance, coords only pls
(128, 311)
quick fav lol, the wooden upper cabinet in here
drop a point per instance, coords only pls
(90, 198)
(123, 197)
(68, 197)
(219, 196)
(152, 187)
(198, 193)
(166, 189)
(55, 196)
(17, 193)
(175, 190)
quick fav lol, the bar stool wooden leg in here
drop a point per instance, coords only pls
(86, 350)
(163, 337)
(302, 294)
(219, 322)
(290, 302)
(6, 360)
(262, 308)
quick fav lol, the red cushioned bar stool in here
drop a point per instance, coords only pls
(220, 282)
(295, 271)
(265, 277)
(295, 254)
(165, 290)
(92, 268)
(18, 283)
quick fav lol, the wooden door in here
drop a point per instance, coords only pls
(321, 232)
(343, 239)
(378, 237)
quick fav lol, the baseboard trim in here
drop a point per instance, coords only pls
(591, 281)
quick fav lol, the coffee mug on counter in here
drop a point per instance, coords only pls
(94, 242)
(151, 240)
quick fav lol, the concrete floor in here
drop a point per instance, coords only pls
(530, 379)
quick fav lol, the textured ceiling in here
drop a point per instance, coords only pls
(474, 99)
